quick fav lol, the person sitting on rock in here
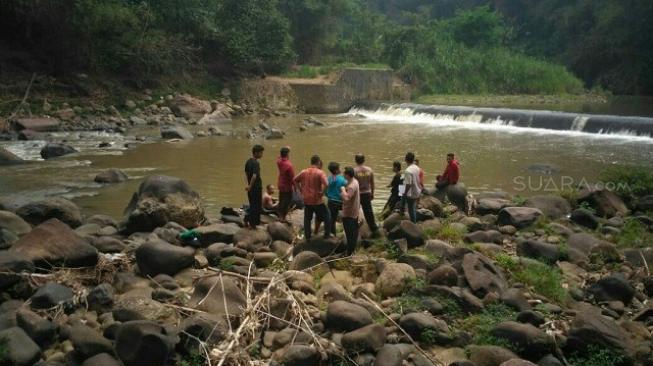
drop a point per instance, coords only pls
(269, 203)
(312, 182)
(451, 173)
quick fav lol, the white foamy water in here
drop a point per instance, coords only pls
(405, 115)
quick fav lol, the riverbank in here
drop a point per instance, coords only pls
(542, 279)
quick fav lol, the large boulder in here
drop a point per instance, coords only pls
(531, 341)
(157, 256)
(432, 204)
(368, 338)
(11, 265)
(51, 208)
(39, 124)
(553, 207)
(188, 107)
(589, 327)
(346, 316)
(111, 176)
(421, 326)
(54, 243)
(456, 194)
(143, 343)
(217, 233)
(211, 294)
(20, 349)
(410, 231)
(280, 231)
(55, 150)
(491, 205)
(318, 244)
(176, 132)
(519, 217)
(546, 252)
(8, 158)
(394, 279)
(482, 275)
(161, 199)
(612, 288)
(585, 217)
(14, 223)
(605, 202)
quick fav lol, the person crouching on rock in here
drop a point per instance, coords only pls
(269, 203)
(312, 182)
(350, 195)
(451, 173)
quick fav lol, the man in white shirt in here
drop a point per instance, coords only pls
(413, 188)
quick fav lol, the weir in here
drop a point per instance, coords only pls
(521, 118)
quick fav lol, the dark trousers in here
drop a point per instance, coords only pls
(334, 208)
(366, 204)
(322, 214)
(411, 204)
(350, 225)
(285, 200)
(255, 197)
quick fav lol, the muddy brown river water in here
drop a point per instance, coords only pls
(493, 157)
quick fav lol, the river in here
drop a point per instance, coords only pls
(493, 156)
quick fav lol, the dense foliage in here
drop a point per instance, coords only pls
(441, 46)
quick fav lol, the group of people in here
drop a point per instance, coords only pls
(347, 192)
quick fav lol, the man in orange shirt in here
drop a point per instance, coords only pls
(312, 182)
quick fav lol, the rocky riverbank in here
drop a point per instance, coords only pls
(546, 280)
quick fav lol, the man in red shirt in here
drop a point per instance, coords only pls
(285, 182)
(312, 182)
(451, 173)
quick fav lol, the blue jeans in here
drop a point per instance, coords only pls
(412, 207)
(322, 214)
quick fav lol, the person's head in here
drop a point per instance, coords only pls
(349, 173)
(410, 158)
(450, 157)
(257, 151)
(270, 189)
(315, 160)
(284, 152)
(416, 161)
(334, 168)
(396, 167)
(359, 159)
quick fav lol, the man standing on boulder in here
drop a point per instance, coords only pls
(254, 187)
(285, 182)
(350, 208)
(451, 173)
(312, 182)
(365, 178)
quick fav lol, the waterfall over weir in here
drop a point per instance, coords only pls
(472, 117)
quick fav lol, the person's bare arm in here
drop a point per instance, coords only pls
(372, 183)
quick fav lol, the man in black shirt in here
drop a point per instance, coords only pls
(254, 187)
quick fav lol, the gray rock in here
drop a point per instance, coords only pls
(482, 275)
(346, 316)
(101, 298)
(612, 288)
(305, 260)
(491, 205)
(368, 338)
(389, 355)
(217, 233)
(55, 150)
(88, 342)
(176, 132)
(14, 223)
(490, 355)
(212, 292)
(425, 328)
(21, 349)
(111, 176)
(606, 203)
(300, 355)
(411, 232)
(549, 253)
(161, 199)
(553, 207)
(444, 275)
(590, 327)
(156, 256)
(531, 341)
(585, 218)
(323, 247)
(280, 231)
(62, 209)
(101, 359)
(11, 265)
(394, 279)
(41, 330)
(51, 295)
(143, 343)
(8, 158)
(519, 217)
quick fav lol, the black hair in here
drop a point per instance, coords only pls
(416, 161)
(315, 159)
(359, 158)
(333, 167)
(257, 148)
(349, 171)
(451, 154)
(410, 157)
(284, 152)
(396, 165)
